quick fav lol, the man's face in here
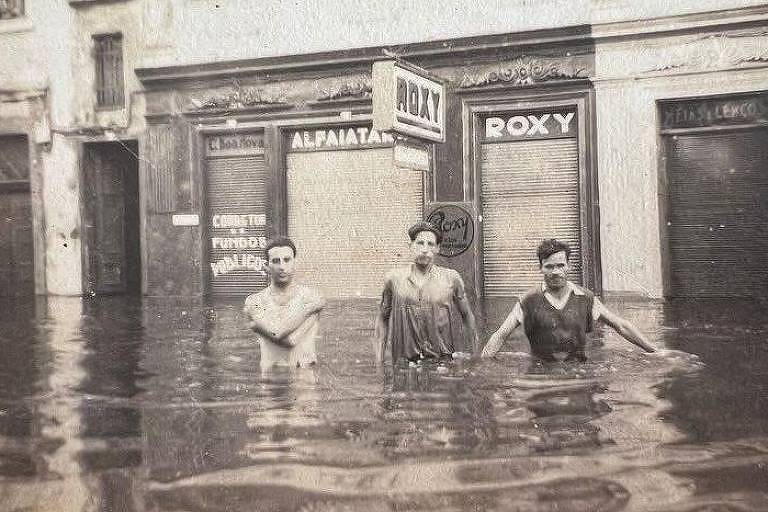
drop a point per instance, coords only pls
(555, 270)
(281, 264)
(424, 247)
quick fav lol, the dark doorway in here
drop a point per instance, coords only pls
(17, 276)
(111, 197)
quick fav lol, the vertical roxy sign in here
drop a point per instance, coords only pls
(408, 101)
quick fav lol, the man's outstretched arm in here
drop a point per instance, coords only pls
(467, 317)
(503, 332)
(626, 330)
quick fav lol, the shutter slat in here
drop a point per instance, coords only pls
(236, 185)
(348, 212)
(530, 191)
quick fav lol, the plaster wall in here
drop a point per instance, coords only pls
(631, 78)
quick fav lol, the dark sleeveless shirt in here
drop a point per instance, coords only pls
(550, 330)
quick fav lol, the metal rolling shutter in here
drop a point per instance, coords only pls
(348, 212)
(718, 213)
(530, 191)
(236, 185)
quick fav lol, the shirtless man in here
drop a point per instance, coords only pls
(284, 315)
(557, 314)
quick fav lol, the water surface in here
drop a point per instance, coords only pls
(121, 404)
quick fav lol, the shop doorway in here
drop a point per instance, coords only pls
(16, 241)
(717, 213)
(111, 198)
(349, 208)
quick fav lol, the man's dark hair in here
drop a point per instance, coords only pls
(551, 246)
(417, 228)
(279, 241)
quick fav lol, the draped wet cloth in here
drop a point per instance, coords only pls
(419, 317)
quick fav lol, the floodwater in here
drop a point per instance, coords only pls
(121, 404)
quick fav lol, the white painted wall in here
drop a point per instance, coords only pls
(628, 87)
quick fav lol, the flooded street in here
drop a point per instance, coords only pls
(120, 404)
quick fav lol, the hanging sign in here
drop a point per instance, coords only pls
(409, 101)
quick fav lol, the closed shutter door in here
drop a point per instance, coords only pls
(718, 213)
(236, 186)
(530, 191)
(349, 212)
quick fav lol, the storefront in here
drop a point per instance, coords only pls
(236, 193)
(348, 207)
(534, 180)
(296, 155)
(714, 192)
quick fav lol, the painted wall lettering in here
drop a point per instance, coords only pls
(237, 241)
(536, 125)
(715, 111)
(235, 262)
(231, 145)
(336, 138)
(238, 220)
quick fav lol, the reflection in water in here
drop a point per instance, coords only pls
(116, 404)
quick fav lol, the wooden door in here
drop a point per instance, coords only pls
(112, 218)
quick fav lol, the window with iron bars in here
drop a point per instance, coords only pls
(108, 53)
(11, 9)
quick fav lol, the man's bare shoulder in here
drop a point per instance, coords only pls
(309, 293)
(256, 299)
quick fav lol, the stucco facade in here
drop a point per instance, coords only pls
(639, 53)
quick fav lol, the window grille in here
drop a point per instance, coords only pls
(11, 9)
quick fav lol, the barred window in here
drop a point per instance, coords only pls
(109, 70)
(11, 9)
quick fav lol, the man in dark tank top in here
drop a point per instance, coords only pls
(557, 315)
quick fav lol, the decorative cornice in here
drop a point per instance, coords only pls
(360, 59)
(240, 97)
(524, 70)
(715, 51)
(352, 87)
(679, 25)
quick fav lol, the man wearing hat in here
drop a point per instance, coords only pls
(417, 304)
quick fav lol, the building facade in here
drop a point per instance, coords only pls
(164, 141)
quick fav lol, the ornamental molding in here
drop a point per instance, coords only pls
(524, 70)
(715, 51)
(352, 87)
(239, 97)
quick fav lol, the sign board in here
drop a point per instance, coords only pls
(411, 156)
(186, 219)
(408, 101)
(344, 137)
(458, 228)
(719, 111)
(234, 145)
(549, 124)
